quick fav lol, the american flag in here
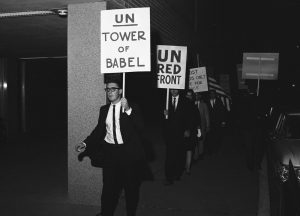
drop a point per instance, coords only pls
(213, 85)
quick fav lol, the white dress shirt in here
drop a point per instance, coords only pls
(109, 138)
(212, 102)
(176, 101)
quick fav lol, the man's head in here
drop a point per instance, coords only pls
(212, 94)
(174, 92)
(199, 96)
(190, 95)
(114, 91)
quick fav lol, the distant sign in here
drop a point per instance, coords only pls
(198, 79)
(125, 40)
(260, 66)
(171, 62)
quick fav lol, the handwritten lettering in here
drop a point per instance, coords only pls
(123, 62)
(169, 68)
(124, 36)
(168, 79)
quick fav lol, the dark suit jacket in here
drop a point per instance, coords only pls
(178, 121)
(132, 131)
(217, 113)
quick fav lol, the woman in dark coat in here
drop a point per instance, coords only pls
(190, 143)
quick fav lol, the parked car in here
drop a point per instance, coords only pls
(293, 191)
(283, 153)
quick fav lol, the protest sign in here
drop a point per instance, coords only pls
(198, 79)
(171, 62)
(125, 40)
(260, 66)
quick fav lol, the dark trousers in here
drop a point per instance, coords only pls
(213, 142)
(175, 160)
(119, 174)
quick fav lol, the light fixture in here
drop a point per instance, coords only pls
(61, 12)
(5, 85)
(26, 13)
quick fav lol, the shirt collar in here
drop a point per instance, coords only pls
(117, 104)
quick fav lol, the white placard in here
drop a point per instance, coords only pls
(198, 79)
(260, 66)
(171, 62)
(125, 40)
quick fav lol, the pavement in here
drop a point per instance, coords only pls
(219, 185)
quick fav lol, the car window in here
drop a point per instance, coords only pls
(279, 124)
(273, 119)
(292, 127)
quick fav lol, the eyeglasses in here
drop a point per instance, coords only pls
(113, 89)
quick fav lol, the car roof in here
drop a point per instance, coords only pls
(288, 110)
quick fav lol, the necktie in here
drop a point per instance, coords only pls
(114, 125)
(174, 103)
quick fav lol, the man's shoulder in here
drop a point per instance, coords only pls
(134, 106)
(104, 107)
(183, 99)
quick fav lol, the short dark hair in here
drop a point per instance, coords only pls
(190, 91)
(114, 78)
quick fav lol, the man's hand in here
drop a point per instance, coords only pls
(199, 133)
(166, 112)
(124, 104)
(80, 147)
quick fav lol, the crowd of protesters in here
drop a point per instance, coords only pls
(193, 128)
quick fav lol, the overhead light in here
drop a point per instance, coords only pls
(5, 85)
(62, 12)
(26, 13)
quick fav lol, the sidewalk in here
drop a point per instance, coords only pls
(219, 185)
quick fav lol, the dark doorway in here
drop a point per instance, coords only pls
(39, 165)
(46, 95)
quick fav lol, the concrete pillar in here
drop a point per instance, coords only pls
(85, 96)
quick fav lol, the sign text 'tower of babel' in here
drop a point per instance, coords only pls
(125, 40)
(171, 66)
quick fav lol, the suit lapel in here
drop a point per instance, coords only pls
(121, 118)
(123, 124)
(178, 103)
(106, 108)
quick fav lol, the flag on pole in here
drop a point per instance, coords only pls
(213, 85)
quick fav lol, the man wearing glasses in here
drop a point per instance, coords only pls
(117, 141)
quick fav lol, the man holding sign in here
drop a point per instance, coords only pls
(177, 127)
(116, 145)
(171, 62)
